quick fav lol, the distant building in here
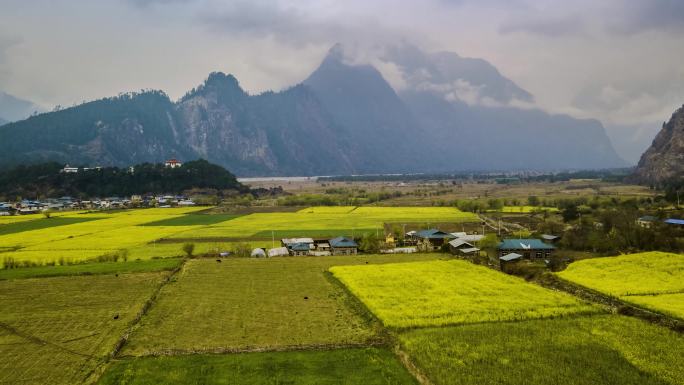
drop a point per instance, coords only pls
(343, 246)
(173, 163)
(673, 221)
(461, 247)
(278, 252)
(299, 249)
(646, 221)
(528, 248)
(550, 238)
(69, 170)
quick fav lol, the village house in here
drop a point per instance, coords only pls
(460, 247)
(527, 248)
(646, 221)
(432, 239)
(343, 246)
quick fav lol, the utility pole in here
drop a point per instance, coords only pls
(272, 239)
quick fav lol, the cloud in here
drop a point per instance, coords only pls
(636, 16)
(547, 26)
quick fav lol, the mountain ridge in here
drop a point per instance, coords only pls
(663, 161)
(343, 119)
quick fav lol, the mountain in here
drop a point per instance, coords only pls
(452, 114)
(471, 112)
(13, 108)
(3, 121)
(381, 127)
(663, 161)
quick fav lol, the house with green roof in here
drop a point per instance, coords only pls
(527, 248)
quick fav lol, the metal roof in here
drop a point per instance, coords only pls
(524, 244)
(343, 242)
(510, 257)
(290, 241)
(550, 237)
(459, 243)
(300, 246)
(433, 234)
(648, 218)
(469, 250)
(673, 221)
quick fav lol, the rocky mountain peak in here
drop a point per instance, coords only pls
(664, 160)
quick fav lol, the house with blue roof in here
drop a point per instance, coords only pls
(527, 248)
(673, 221)
(343, 246)
(432, 238)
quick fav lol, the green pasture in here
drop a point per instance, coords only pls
(368, 366)
(589, 350)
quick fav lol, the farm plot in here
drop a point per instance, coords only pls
(363, 218)
(157, 264)
(654, 280)
(439, 293)
(245, 304)
(602, 349)
(344, 366)
(57, 330)
(44, 223)
(95, 234)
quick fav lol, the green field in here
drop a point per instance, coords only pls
(192, 220)
(243, 304)
(159, 264)
(439, 293)
(344, 366)
(57, 330)
(606, 350)
(654, 280)
(44, 223)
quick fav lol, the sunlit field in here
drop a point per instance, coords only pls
(451, 292)
(74, 237)
(653, 280)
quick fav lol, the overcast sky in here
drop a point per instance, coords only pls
(620, 61)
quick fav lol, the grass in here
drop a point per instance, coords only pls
(439, 293)
(57, 330)
(160, 264)
(243, 304)
(368, 366)
(193, 220)
(653, 280)
(606, 349)
(38, 224)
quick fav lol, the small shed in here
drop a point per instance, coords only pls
(258, 253)
(278, 252)
(457, 246)
(509, 258)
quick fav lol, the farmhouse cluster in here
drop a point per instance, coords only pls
(70, 203)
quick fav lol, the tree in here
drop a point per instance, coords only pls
(188, 249)
(370, 243)
(533, 200)
(570, 212)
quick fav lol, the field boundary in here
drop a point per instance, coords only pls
(96, 373)
(616, 305)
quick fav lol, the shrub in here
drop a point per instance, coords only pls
(188, 249)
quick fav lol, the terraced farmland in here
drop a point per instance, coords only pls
(653, 280)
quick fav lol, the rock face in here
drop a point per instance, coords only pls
(454, 114)
(664, 161)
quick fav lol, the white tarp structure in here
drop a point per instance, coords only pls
(258, 253)
(278, 252)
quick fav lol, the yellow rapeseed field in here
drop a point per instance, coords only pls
(451, 292)
(654, 280)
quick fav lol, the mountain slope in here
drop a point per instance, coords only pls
(13, 108)
(3, 121)
(469, 109)
(664, 161)
(377, 122)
